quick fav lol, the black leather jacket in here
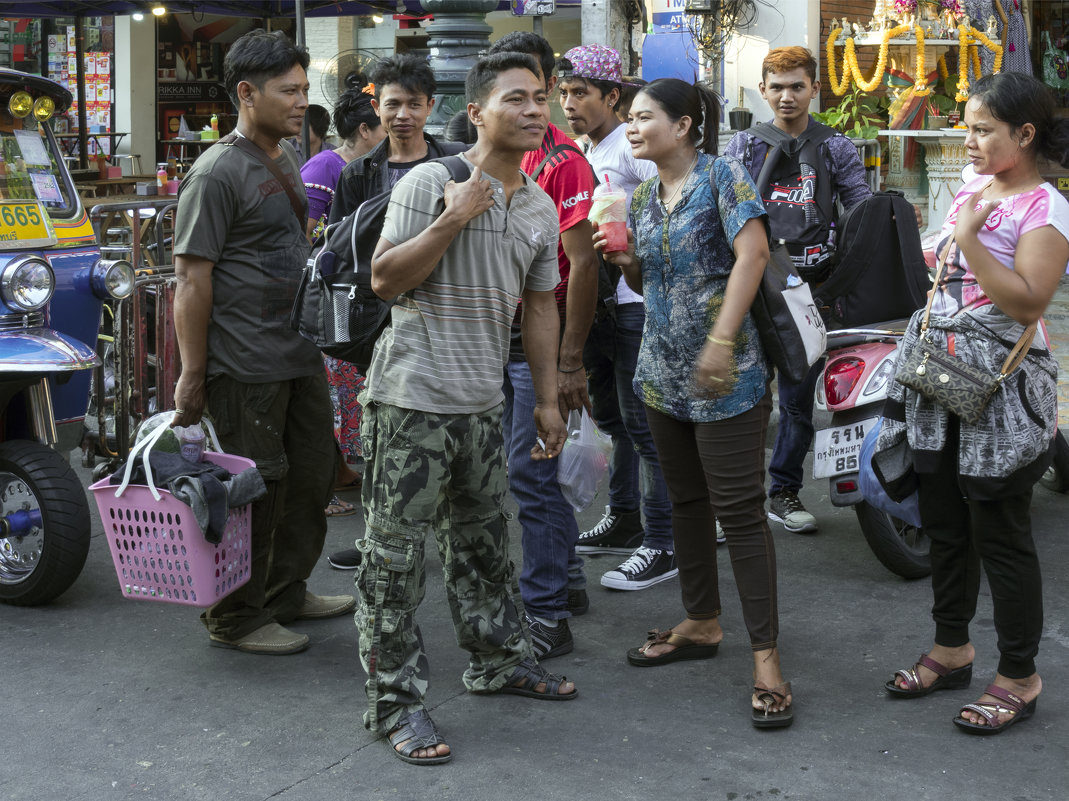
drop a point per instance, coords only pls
(369, 175)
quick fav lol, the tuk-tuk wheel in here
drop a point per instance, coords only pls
(44, 524)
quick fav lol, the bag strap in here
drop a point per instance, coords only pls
(935, 281)
(556, 150)
(257, 152)
(1017, 354)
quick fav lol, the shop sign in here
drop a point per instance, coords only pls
(191, 91)
(668, 15)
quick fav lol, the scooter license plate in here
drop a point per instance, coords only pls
(837, 450)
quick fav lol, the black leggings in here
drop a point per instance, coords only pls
(719, 468)
(965, 533)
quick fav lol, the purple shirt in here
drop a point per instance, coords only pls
(320, 175)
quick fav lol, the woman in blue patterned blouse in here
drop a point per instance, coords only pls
(697, 258)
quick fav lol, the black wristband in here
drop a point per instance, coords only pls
(573, 370)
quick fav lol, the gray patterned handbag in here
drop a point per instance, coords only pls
(944, 378)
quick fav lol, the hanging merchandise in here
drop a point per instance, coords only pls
(1055, 68)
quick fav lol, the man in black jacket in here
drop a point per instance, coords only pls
(404, 99)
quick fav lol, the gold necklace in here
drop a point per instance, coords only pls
(668, 203)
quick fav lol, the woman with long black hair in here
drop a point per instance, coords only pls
(697, 256)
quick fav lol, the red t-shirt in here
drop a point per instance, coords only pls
(569, 181)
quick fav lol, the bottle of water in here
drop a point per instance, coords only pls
(191, 440)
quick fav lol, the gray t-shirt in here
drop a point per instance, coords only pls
(233, 212)
(446, 349)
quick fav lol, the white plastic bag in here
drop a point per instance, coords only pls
(583, 461)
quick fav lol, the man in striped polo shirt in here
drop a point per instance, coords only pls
(457, 257)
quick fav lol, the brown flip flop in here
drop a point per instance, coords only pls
(684, 648)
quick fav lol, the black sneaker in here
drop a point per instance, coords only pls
(349, 559)
(616, 532)
(550, 642)
(578, 602)
(645, 568)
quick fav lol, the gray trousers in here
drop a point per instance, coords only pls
(445, 473)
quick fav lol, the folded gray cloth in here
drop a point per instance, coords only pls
(210, 507)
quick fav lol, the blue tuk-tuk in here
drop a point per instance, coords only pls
(53, 282)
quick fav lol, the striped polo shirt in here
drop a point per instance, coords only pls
(448, 343)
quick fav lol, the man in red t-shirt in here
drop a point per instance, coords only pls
(552, 582)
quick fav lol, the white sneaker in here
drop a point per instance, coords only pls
(643, 569)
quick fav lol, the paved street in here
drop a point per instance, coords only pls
(108, 698)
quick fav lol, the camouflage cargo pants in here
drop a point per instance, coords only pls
(446, 473)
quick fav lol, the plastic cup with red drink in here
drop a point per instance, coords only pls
(608, 209)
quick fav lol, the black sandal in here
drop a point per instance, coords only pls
(528, 675)
(420, 732)
(766, 718)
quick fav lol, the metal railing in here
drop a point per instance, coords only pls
(137, 344)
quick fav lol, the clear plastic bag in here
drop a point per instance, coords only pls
(583, 461)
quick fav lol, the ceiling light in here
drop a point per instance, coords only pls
(138, 16)
(158, 11)
(376, 18)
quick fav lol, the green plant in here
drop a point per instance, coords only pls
(859, 115)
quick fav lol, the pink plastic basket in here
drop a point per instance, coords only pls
(159, 551)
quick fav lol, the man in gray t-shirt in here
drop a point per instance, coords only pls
(239, 252)
(457, 257)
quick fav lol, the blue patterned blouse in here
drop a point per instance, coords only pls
(686, 258)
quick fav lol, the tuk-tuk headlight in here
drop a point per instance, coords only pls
(20, 104)
(112, 279)
(43, 108)
(27, 283)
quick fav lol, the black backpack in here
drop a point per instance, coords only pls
(796, 188)
(335, 307)
(880, 273)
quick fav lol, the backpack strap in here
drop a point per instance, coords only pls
(556, 150)
(459, 171)
(254, 150)
(810, 140)
(778, 141)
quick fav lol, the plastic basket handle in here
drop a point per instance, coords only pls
(143, 448)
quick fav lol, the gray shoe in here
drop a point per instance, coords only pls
(784, 507)
(270, 639)
(317, 607)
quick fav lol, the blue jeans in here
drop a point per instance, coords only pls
(550, 564)
(610, 355)
(795, 434)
